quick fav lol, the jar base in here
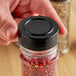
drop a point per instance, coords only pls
(62, 52)
(16, 44)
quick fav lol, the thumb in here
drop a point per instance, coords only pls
(8, 27)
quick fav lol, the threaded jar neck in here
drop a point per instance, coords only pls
(51, 53)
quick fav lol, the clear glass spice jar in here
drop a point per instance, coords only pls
(63, 9)
(38, 38)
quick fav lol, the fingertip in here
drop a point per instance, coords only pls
(11, 33)
(62, 28)
(62, 31)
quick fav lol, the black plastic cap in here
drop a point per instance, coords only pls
(38, 33)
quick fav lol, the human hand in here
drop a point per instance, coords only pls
(22, 9)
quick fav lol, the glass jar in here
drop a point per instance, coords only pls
(38, 63)
(63, 9)
(38, 37)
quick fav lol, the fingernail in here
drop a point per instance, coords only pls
(11, 32)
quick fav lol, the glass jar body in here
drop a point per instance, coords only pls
(38, 63)
(63, 9)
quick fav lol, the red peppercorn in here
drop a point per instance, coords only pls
(38, 67)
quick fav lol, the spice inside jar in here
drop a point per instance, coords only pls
(39, 66)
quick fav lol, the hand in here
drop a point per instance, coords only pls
(13, 11)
